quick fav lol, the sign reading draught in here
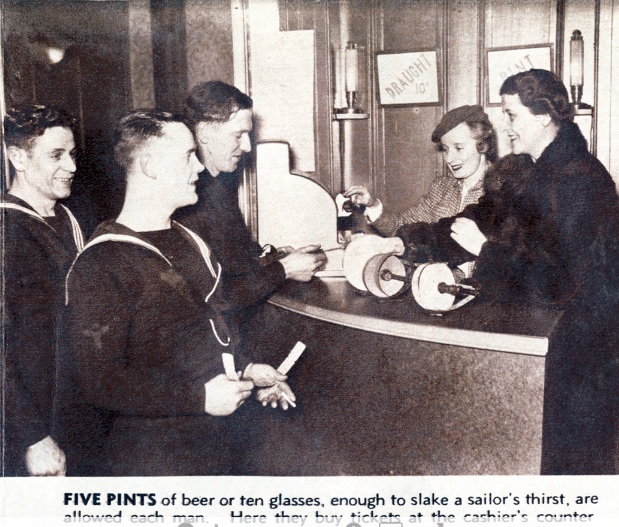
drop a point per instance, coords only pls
(408, 78)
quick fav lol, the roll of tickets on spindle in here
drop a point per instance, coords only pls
(292, 358)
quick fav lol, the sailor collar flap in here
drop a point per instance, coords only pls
(115, 232)
(12, 203)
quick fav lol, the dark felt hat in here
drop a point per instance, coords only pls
(453, 118)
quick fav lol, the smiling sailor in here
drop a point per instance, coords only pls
(144, 318)
(41, 238)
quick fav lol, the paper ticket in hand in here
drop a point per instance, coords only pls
(291, 359)
(228, 360)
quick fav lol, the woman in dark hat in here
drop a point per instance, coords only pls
(467, 140)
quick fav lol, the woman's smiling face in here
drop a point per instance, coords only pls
(460, 153)
(524, 129)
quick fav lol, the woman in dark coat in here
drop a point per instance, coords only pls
(546, 232)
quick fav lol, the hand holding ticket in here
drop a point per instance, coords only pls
(292, 358)
(281, 391)
(231, 373)
(275, 391)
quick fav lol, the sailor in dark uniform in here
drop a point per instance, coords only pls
(41, 239)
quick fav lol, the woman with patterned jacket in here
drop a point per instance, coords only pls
(467, 140)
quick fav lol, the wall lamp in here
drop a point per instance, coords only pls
(583, 112)
(577, 69)
(48, 52)
(350, 74)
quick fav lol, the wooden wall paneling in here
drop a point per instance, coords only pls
(323, 22)
(240, 43)
(335, 40)
(481, 53)
(19, 70)
(520, 23)
(560, 39)
(209, 41)
(607, 100)
(169, 53)
(105, 95)
(295, 15)
(596, 75)
(141, 55)
(4, 162)
(377, 122)
(239, 19)
(411, 160)
(462, 81)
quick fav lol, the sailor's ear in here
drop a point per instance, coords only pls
(202, 132)
(147, 165)
(18, 157)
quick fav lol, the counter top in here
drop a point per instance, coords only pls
(479, 324)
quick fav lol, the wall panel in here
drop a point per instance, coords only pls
(141, 54)
(169, 53)
(209, 41)
(608, 88)
(520, 23)
(462, 82)
(410, 160)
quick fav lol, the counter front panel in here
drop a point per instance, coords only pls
(378, 394)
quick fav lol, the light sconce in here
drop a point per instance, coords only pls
(348, 80)
(47, 52)
(577, 68)
(351, 61)
(55, 54)
(350, 72)
(583, 112)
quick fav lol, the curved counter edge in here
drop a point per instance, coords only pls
(509, 343)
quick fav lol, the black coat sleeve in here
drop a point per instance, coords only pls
(433, 242)
(219, 221)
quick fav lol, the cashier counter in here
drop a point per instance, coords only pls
(385, 387)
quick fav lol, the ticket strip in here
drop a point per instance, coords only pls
(284, 367)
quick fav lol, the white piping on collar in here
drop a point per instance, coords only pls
(127, 238)
(78, 237)
(110, 237)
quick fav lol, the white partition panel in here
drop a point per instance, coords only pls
(293, 210)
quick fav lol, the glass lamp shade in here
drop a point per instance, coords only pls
(351, 57)
(576, 59)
